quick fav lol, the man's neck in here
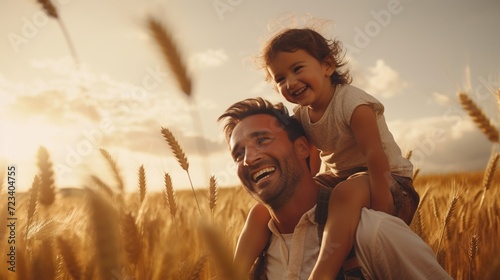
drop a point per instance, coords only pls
(305, 197)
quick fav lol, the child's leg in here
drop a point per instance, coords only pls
(406, 199)
(253, 237)
(344, 211)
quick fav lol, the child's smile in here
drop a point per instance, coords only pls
(301, 78)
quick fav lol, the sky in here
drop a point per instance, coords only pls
(414, 56)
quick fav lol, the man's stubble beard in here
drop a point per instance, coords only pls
(285, 186)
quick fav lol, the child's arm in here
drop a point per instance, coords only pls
(365, 130)
(253, 237)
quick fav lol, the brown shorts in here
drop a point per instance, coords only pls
(405, 197)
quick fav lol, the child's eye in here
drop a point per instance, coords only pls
(278, 80)
(297, 69)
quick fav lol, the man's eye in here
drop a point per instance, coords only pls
(237, 157)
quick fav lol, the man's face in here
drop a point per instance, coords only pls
(268, 165)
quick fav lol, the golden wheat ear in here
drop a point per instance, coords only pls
(170, 196)
(222, 256)
(49, 8)
(212, 194)
(478, 117)
(142, 183)
(449, 213)
(198, 268)
(104, 224)
(114, 168)
(69, 258)
(132, 238)
(47, 194)
(488, 176)
(176, 148)
(473, 249)
(171, 54)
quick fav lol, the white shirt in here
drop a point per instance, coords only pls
(385, 246)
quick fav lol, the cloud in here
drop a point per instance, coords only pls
(145, 136)
(441, 98)
(209, 58)
(442, 145)
(380, 80)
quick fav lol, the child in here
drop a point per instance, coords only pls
(364, 164)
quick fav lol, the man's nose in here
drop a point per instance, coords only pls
(252, 155)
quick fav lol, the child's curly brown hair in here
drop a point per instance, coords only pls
(313, 43)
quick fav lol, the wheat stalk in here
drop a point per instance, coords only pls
(409, 154)
(47, 193)
(212, 194)
(198, 268)
(171, 53)
(49, 8)
(434, 208)
(478, 117)
(33, 197)
(473, 249)
(181, 158)
(88, 273)
(22, 268)
(114, 167)
(142, 183)
(104, 216)
(33, 202)
(176, 148)
(165, 269)
(223, 258)
(103, 186)
(488, 176)
(43, 260)
(132, 238)
(415, 174)
(449, 213)
(170, 196)
(51, 11)
(69, 258)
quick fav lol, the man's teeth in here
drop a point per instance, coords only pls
(299, 91)
(262, 173)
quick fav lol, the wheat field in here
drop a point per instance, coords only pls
(95, 234)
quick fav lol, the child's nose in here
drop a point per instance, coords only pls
(290, 83)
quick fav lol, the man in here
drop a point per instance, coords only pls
(271, 153)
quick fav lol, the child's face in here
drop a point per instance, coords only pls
(302, 79)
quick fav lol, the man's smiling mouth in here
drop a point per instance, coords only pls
(263, 173)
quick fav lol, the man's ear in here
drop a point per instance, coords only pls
(302, 147)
